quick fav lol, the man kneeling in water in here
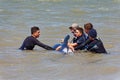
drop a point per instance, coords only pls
(92, 43)
(30, 42)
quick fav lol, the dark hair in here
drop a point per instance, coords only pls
(93, 33)
(88, 26)
(70, 27)
(34, 29)
(80, 29)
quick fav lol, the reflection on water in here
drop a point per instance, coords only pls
(54, 17)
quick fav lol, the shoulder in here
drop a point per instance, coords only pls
(98, 40)
(82, 38)
(31, 38)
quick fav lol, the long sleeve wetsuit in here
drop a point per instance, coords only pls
(30, 42)
(93, 46)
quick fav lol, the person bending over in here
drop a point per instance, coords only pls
(92, 43)
(80, 38)
(30, 42)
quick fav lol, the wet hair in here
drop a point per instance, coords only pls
(80, 29)
(92, 33)
(34, 29)
(88, 26)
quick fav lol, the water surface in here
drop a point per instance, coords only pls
(53, 18)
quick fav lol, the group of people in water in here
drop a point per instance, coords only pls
(84, 39)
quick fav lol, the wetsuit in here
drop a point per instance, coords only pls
(80, 40)
(93, 46)
(30, 42)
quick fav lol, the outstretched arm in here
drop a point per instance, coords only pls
(43, 45)
(82, 46)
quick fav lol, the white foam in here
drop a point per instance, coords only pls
(67, 50)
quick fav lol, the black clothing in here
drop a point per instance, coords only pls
(74, 40)
(30, 42)
(93, 46)
(83, 45)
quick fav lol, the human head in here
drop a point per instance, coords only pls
(73, 27)
(92, 34)
(35, 31)
(88, 27)
(79, 31)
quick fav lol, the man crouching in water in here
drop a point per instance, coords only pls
(30, 42)
(80, 38)
(92, 43)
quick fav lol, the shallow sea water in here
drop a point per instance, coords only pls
(54, 17)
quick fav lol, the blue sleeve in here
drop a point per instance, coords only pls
(23, 46)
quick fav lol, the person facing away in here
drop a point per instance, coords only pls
(92, 43)
(87, 28)
(30, 42)
(72, 28)
(80, 38)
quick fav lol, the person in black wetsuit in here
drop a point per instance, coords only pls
(30, 42)
(92, 43)
(80, 38)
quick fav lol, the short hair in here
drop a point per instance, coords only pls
(74, 26)
(88, 26)
(80, 29)
(34, 29)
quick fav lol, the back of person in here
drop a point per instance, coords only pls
(96, 46)
(87, 28)
(28, 43)
(92, 43)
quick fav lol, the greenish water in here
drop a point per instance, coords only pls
(54, 17)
